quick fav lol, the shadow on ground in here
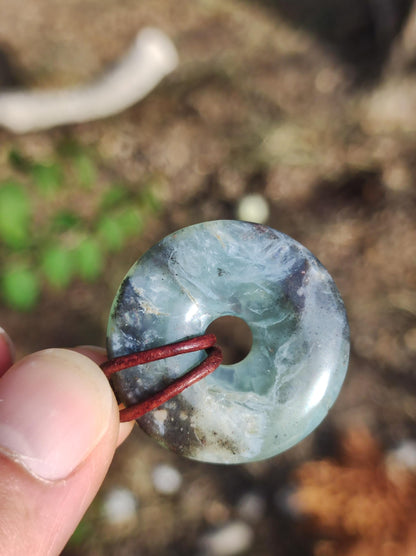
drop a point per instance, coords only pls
(360, 32)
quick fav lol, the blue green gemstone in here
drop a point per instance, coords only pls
(294, 371)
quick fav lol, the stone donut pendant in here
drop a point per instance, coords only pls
(282, 389)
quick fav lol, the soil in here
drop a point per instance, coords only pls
(291, 100)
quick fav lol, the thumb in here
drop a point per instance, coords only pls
(59, 427)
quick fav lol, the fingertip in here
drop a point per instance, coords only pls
(99, 355)
(59, 426)
(6, 352)
(95, 353)
(56, 407)
(124, 431)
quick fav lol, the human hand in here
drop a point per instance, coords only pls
(59, 428)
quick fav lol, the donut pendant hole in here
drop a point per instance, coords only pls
(233, 336)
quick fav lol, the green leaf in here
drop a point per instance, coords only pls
(150, 199)
(19, 161)
(131, 221)
(14, 215)
(85, 170)
(47, 177)
(65, 220)
(110, 233)
(57, 265)
(20, 287)
(89, 259)
(114, 197)
(69, 147)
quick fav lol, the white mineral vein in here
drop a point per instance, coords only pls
(151, 57)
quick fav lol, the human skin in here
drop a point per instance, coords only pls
(59, 429)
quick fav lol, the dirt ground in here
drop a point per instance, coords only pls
(313, 106)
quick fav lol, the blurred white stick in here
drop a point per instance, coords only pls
(151, 57)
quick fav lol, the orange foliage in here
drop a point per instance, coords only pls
(360, 505)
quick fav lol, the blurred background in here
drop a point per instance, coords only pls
(310, 106)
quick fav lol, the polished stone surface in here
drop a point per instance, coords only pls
(283, 389)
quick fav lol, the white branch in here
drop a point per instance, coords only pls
(151, 57)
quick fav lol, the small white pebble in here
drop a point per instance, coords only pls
(404, 454)
(166, 479)
(253, 208)
(251, 507)
(119, 506)
(233, 538)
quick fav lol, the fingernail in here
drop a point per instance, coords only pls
(97, 354)
(55, 406)
(6, 351)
